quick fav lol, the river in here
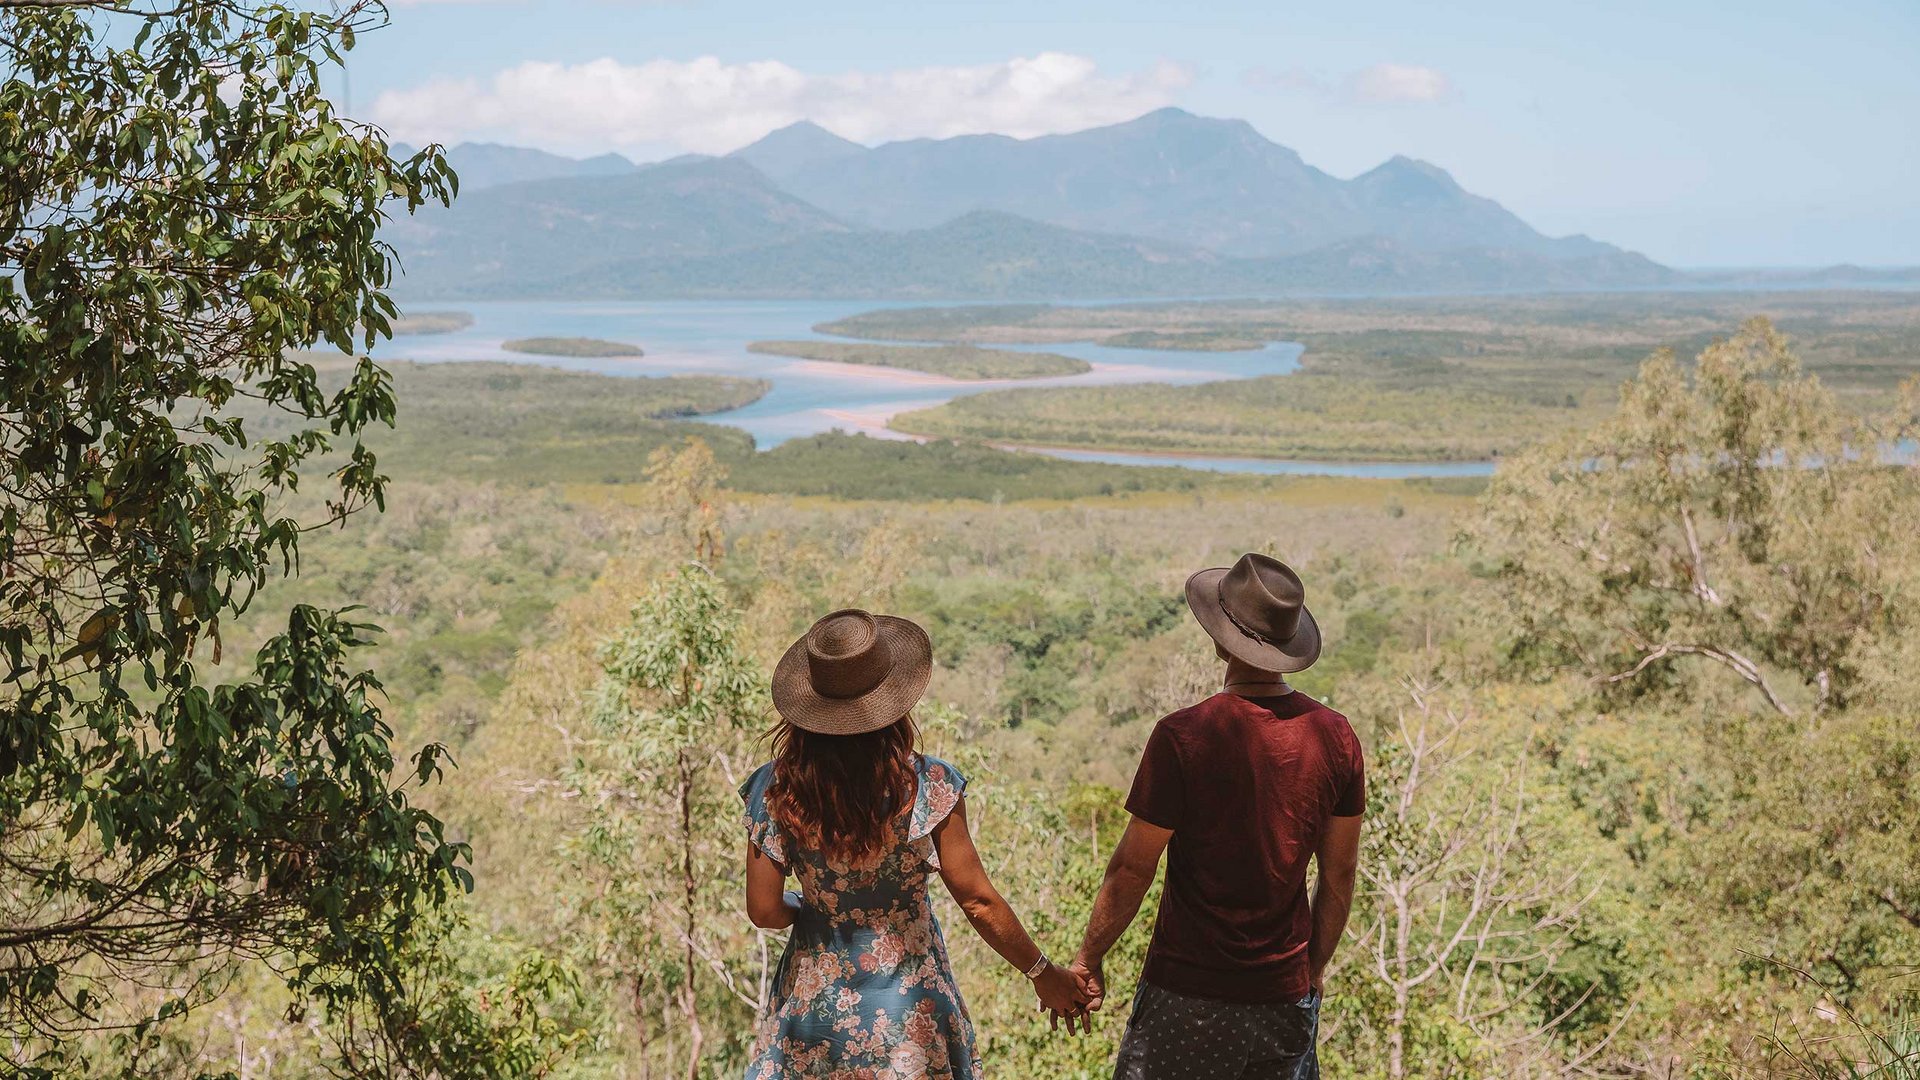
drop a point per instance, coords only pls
(685, 337)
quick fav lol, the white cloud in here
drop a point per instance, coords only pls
(1381, 84)
(1392, 83)
(708, 106)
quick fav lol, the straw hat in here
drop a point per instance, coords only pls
(1256, 611)
(852, 673)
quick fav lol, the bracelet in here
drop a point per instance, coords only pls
(1038, 968)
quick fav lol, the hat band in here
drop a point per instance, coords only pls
(1242, 627)
(1220, 594)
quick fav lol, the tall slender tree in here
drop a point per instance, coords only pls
(679, 700)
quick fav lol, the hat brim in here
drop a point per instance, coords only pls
(1295, 654)
(795, 699)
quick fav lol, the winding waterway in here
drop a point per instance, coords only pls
(808, 396)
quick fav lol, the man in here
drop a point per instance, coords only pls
(1242, 789)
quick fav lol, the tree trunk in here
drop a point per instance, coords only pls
(640, 1024)
(1397, 1037)
(689, 1002)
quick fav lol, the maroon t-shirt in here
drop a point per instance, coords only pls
(1247, 786)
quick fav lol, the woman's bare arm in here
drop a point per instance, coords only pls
(992, 917)
(768, 906)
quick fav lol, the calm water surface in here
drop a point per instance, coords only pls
(809, 397)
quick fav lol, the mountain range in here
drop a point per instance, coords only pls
(1169, 204)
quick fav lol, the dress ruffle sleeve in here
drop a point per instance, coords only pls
(761, 828)
(939, 791)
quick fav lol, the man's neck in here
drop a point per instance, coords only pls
(1250, 682)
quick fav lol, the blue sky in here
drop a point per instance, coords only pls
(1762, 133)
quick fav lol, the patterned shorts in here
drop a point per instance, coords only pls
(1172, 1037)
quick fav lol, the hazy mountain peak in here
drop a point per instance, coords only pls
(1173, 115)
(1402, 164)
(807, 129)
(1172, 119)
(609, 162)
(798, 146)
(803, 133)
(1409, 179)
(1166, 114)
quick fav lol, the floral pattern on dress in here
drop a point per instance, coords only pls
(865, 990)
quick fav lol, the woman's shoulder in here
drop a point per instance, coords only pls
(938, 792)
(754, 787)
(939, 775)
(933, 770)
(762, 829)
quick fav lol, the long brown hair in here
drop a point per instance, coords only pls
(838, 794)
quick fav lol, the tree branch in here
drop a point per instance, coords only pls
(1741, 666)
(1911, 917)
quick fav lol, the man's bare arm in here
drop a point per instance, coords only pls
(1339, 857)
(1129, 875)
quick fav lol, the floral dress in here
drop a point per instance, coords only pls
(864, 990)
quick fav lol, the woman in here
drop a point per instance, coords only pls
(846, 806)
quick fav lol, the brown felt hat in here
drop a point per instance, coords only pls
(852, 673)
(1256, 610)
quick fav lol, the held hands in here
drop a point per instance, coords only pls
(1071, 993)
(1093, 981)
(1062, 995)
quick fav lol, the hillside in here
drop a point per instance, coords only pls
(485, 165)
(1421, 206)
(979, 255)
(798, 148)
(1169, 175)
(1169, 204)
(515, 237)
(989, 255)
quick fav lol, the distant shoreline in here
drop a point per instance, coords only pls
(967, 363)
(584, 348)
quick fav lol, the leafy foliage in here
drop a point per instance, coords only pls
(1738, 516)
(677, 701)
(474, 1006)
(180, 208)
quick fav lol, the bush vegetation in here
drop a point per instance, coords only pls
(1276, 416)
(1061, 637)
(1640, 716)
(1194, 340)
(583, 347)
(431, 322)
(953, 361)
(1440, 380)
